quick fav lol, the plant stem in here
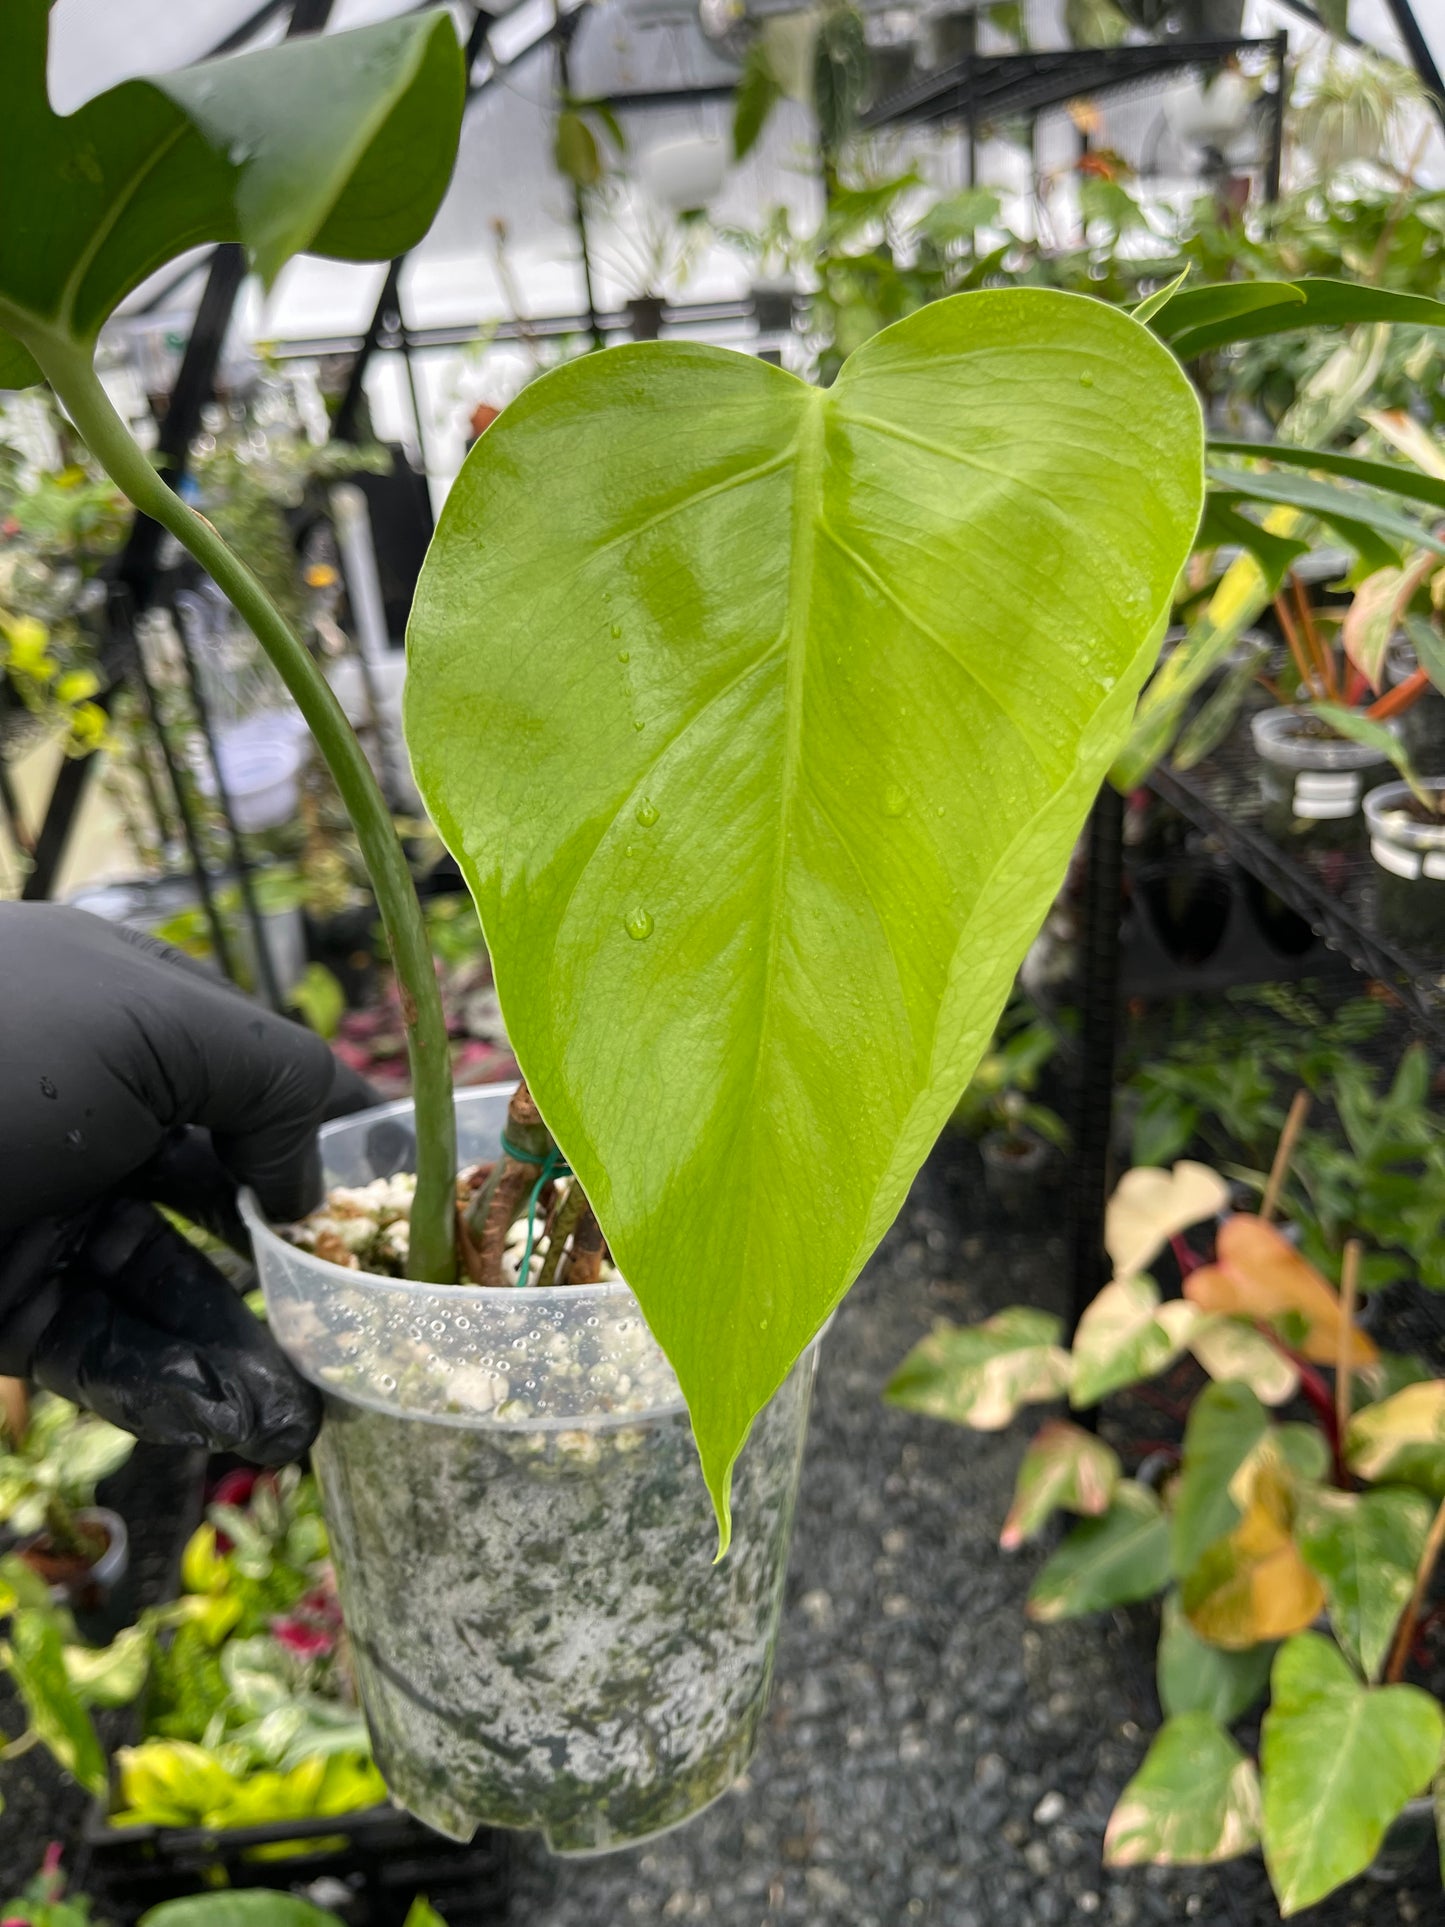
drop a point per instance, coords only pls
(433, 1242)
(1403, 696)
(1284, 1151)
(1405, 1637)
(1344, 1358)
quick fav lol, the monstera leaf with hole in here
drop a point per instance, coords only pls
(762, 719)
(341, 143)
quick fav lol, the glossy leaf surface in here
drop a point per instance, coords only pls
(36, 1660)
(248, 1907)
(340, 143)
(1339, 1761)
(1394, 477)
(1194, 1801)
(763, 750)
(1195, 1677)
(1365, 1547)
(1065, 1468)
(980, 1375)
(1106, 1562)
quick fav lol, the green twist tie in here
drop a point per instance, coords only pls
(554, 1165)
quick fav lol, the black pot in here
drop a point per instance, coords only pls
(644, 316)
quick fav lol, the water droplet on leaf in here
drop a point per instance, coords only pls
(637, 723)
(624, 655)
(895, 800)
(616, 630)
(638, 924)
(646, 812)
(1086, 381)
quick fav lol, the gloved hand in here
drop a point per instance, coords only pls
(130, 1078)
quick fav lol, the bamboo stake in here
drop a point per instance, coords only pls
(1284, 1151)
(1345, 1358)
(1405, 1637)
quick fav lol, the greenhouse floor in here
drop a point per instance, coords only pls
(930, 1756)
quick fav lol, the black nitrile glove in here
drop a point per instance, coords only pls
(130, 1078)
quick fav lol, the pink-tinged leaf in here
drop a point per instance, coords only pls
(1065, 1468)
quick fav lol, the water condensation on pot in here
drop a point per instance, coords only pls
(522, 1537)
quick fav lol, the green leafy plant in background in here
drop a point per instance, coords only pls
(1000, 1094)
(762, 821)
(342, 144)
(50, 1465)
(1262, 1525)
(1370, 1165)
(244, 1681)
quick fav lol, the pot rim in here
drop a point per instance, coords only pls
(1276, 737)
(258, 1224)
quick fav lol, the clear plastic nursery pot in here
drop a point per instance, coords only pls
(1409, 854)
(1314, 782)
(522, 1538)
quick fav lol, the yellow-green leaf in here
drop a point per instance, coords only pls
(37, 1664)
(764, 756)
(1193, 1802)
(1253, 1585)
(1226, 1424)
(1339, 1760)
(1402, 1439)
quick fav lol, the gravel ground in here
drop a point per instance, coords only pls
(930, 1757)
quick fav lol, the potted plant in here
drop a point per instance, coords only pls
(52, 1457)
(759, 824)
(1262, 1529)
(1016, 1136)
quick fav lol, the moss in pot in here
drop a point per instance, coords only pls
(737, 703)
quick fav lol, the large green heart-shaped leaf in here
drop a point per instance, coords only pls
(1193, 1802)
(342, 143)
(1365, 1547)
(1226, 1424)
(762, 719)
(1339, 1761)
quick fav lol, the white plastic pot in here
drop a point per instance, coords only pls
(522, 1539)
(260, 764)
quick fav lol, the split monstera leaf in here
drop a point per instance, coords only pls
(1257, 1534)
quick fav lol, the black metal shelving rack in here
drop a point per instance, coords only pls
(1333, 893)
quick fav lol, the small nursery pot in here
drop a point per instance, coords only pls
(74, 1581)
(1313, 783)
(1014, 1163)
(1410, 867)
(522, 1538)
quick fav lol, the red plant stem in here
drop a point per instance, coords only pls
(1286, 623)
(1402, 696)
(1323, 657)
(1355, 688)
(1186, 1259)
(1318, 1397)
